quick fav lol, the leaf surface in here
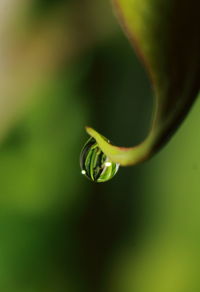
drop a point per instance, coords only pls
(166, 37)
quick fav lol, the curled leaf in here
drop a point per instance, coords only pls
(166, 36)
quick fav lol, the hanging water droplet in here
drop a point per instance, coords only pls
(95, 165)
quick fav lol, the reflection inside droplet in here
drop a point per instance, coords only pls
(95, 165)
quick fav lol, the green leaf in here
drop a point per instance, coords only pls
(166, 37)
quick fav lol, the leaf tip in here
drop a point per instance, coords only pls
(91, 131)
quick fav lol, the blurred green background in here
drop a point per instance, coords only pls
(64, 65)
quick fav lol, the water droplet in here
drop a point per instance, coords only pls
(95, 165)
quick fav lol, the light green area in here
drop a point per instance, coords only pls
(167, 256)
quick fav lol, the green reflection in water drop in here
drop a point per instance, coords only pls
(95, 165)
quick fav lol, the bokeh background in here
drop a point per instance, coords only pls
(64, 65)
